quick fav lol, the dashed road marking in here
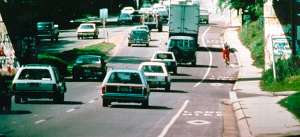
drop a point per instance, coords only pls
(91, 101)
(70, 110)
(203, 113)
(198, 122)
(39, 121)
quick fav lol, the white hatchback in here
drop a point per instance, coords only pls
(156, 74)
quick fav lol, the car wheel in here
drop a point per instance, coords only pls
(95, 37)
(145, 103)
(18, 99)
(56, 39)
(168, 87)
(105, 103)
(59, 98)
(160, 29)
(129, 44)
(194, 63)
(175, 70)
(147, 45)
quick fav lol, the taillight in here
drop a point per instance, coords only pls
(102, 90)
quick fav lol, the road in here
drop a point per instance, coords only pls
(192, 108)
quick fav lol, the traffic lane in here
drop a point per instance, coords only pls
(37, 111)
(68, 39)
(131, 57)
(126, 120)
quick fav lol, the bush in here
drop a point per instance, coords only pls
(252, 37)
(60, 64)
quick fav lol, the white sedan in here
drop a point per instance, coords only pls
(156, 74)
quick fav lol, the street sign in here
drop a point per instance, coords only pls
(103, 13)
(281, 47)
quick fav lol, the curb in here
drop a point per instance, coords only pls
(241, 118)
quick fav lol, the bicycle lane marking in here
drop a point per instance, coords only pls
(210, 58)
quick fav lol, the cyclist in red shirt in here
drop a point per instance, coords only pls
(226, 53)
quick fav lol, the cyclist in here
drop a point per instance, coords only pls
(226, 53)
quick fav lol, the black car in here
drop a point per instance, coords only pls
(87, 66)
(184, 49)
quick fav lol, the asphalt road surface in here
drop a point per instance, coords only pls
(193, 107)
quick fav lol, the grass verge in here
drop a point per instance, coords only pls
(252, 36)
(64, 60)
(292, 104)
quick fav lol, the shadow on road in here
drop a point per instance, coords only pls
(204, 81)
(171, 91)
(180, 74)
(139, 107)
(16, 112)
(212, 49)
(54, 103)
(197, 66)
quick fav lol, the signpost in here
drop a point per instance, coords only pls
(103, 13)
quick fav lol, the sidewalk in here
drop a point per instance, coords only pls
(258, 115)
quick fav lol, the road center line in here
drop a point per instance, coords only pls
(174, 118)
(39, 121)
(210, 58)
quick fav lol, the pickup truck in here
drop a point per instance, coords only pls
(122, 85)
(47, 30)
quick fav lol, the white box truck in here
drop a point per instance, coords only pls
(184, 20)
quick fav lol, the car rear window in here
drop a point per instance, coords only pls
(182, 43)
(164, 56)
(87, 26)
(153, 69)
(125, 78)
(139, 33)
(35, 74)
(87, 60)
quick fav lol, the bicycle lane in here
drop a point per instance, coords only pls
(202, 115)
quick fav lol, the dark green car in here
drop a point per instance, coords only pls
(87, 66)
(184, 49)
(139, 36)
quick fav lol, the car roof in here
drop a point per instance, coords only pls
(182, 37)
(125, 70)
(165, 52)
(139, 29)
(87, 56)
(36, 66)
(87, 24)
(153, 63)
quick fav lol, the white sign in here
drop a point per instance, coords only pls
(103, 13)
(198, 122)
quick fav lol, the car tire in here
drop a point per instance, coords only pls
(147, 45)
(168, 87)
(56, 39)
(95, 37)
(160, 29)
(59, 98)
(194, 63)
(105, 103)
(18, 99)
(145, 103)
(78, 37)
(175, 70)
(129, 44)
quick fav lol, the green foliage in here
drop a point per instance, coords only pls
(292, 103)
(288, 76)
(60, 64)
(64, 60)
(252, 37)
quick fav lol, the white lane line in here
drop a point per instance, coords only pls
(210, 59)
(233, 96)
(39, 121)
(91, 101)
(70, 110)
(174, 118)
